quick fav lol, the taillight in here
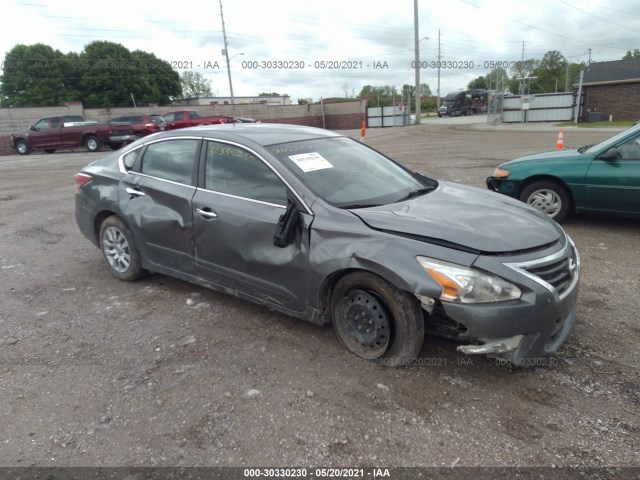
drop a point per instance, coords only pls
(81, 180)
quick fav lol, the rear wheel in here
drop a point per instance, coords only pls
(549, 197)
(92, 143)
(120, 250)
(375, 320)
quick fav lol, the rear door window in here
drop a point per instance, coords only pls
(171, 160)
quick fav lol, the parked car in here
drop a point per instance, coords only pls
(479, 93)
(244, 120)
(319, 226)
(601, 178)
(192, 118)
(158, 120)
(141, 125)
(69, 131)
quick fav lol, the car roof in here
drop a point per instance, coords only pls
(263, 134)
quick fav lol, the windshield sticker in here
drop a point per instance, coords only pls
(310, 162)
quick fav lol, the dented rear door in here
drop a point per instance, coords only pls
(155, 200)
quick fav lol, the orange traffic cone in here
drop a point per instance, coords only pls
(560, 142)
(363, 130)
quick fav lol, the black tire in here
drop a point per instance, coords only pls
(375, 320)
(120, 250)
(22, 147)
(92, 143)
(50, 150)
(548, 197)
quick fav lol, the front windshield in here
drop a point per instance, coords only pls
(347, 173)
(611, 142)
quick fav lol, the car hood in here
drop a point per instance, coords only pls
(552, 156)
(22, 133)
(466, 218)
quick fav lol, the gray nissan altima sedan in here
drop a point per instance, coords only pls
(319, 226)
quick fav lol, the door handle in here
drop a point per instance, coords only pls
(135, 192)
(206, 213)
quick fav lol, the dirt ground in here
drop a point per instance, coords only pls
(98, 372)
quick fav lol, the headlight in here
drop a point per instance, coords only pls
(467, 285)
(501, 173)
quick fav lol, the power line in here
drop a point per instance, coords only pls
(598, 18)
(540, 29)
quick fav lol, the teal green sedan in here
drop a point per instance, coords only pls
(602, 178)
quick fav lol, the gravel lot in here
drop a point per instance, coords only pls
(98, 372)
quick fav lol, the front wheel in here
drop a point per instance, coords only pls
(375, 320)
(92, 143)
(120, 250)
(549, 197)
(22, 147)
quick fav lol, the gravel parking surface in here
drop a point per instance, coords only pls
(98, 372)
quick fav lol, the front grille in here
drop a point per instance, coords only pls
(557, 272)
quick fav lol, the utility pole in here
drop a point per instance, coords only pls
(523, 72)
(416, 39)
(225, 52)
(439, 57)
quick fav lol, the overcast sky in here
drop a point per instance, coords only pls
(368, 34)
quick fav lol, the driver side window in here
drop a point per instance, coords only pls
(44, 123)
(235, 171)
(630, 150)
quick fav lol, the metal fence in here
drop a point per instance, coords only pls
(391, 116)
(542, 107)
(495, 104)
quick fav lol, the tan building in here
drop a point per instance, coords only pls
(269, 100)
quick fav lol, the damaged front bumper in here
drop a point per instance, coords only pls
(518, 331)
(500, 345)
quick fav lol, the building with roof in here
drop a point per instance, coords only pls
(611, 89)
(270, 100)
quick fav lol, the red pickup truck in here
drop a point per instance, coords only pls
(68, 131)
(192, 118)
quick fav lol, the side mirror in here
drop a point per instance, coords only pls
(33, 127)
(287, 226)
(610, 155)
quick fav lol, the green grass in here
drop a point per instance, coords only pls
(619, 123)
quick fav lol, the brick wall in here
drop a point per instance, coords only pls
(337, 116)
(622, 101)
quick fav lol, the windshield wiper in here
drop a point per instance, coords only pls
(416, 193)
(582, 149)
(359, 205)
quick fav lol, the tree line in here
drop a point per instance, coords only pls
(103, 74)
(552, 73)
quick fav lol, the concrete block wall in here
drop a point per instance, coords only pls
(337, 116)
